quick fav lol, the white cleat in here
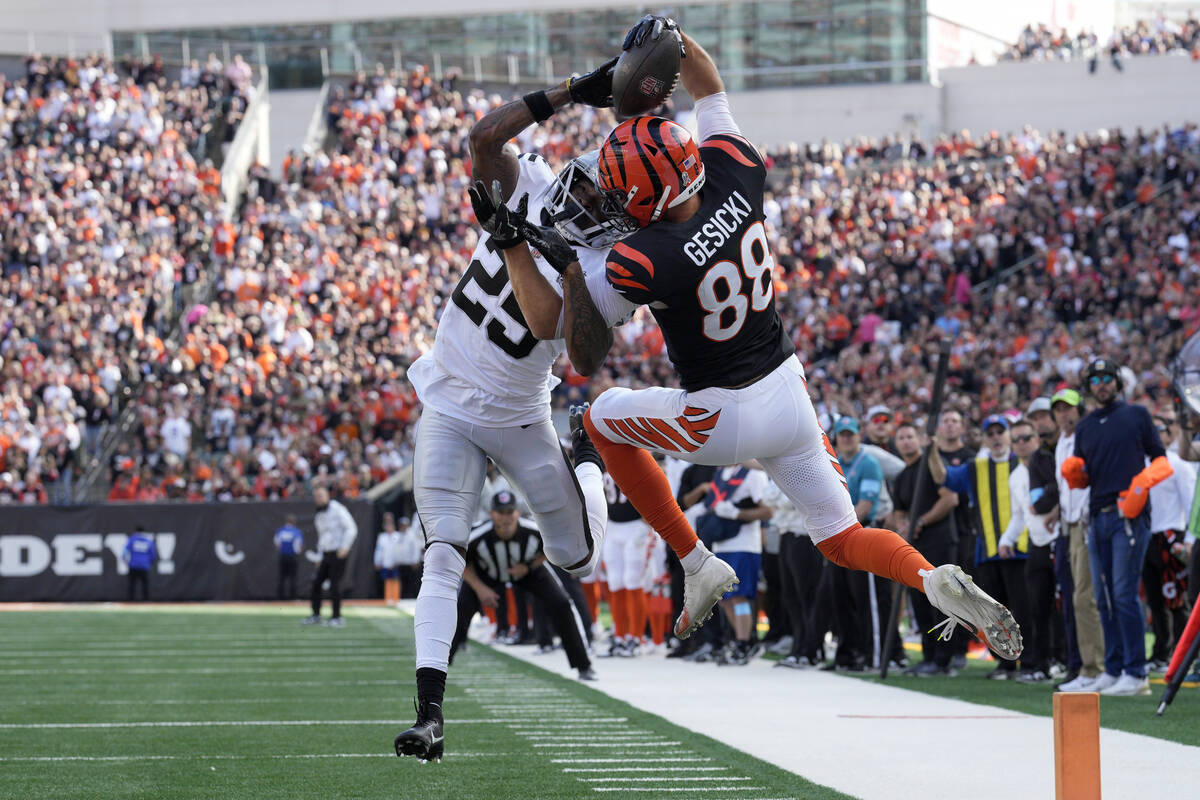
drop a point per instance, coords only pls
(701, 591)
(951, 591)
(1127, 686)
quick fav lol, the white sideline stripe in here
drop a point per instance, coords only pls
(663, 778)
(252, 723)
(642, 769)
(220, 757)
(629, 760)
(674, 788)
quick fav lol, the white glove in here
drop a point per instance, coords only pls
(726, 510)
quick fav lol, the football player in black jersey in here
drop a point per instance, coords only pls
(702, 263)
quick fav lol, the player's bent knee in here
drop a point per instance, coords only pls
(442, 574)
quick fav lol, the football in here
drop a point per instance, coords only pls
(646, 75)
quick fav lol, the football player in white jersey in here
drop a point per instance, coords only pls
(486, 383)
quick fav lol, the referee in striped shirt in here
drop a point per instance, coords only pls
(509, 549)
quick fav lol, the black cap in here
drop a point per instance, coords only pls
(1102, 366)
(504, 500)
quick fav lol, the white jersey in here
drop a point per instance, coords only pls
(485, 366)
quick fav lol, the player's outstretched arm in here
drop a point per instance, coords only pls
(587, 333)
(698, 73)
(491, 160)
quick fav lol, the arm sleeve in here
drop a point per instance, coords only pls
(349, 528)
(630, 274)
(1016, 520)
(1154, 446)
(958, 479)
(1044, 483)
(713, 116)
(756, 488)
(871, 484)
(615, 308)
(891, 464)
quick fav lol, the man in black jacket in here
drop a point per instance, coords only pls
(933, 534)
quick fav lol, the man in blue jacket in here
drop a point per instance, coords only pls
(1112, 445)
(139, 555)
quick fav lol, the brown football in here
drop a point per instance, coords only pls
(646, 76)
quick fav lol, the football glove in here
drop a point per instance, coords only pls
(595, 88)
(652, 26)
(1132, 501)
(496, 218)
(553, 246)
(1075, 472)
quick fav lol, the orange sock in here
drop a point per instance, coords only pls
(617, 606)
(658, 622)
(876, 550)
(645, 484)
(637, 612)
(392, 590)
(591, 594)
(512, 608)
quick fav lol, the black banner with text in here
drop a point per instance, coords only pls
(209, 551)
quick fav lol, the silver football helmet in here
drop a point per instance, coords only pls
(575, 205)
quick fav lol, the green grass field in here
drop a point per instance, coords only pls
(244, 702)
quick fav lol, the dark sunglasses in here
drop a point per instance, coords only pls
(1027, 437)
(1160, 428)
(1096, 380)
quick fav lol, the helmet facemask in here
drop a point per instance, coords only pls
(595, 224)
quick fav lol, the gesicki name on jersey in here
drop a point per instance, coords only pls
(720, 226)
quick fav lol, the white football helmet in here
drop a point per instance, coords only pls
(581, 221)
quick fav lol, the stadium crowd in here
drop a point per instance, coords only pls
(329, 281)
(1144, 37)
(110, 195)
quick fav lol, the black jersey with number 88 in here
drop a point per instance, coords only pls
(709, 281)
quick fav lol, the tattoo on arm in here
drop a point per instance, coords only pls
(588, 336)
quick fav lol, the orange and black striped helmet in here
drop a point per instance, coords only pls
(647, 165)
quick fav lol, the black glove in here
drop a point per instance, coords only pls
(595, 88)
(553, 246)
(495, 217)
(653, 27)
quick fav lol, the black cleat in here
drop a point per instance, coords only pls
(424, 739)
(582, 449)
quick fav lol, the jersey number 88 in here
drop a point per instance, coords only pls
(758, 267)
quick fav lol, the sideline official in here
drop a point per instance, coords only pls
(509, 549)
(1111, 447)
(336, 531)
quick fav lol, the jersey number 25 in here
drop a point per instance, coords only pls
(728, 305)
(500, 333)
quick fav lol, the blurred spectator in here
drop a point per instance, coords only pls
(139, 556)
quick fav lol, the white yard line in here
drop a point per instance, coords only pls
(643, 769)
(673, 760)
(674, 788)
(810, 722)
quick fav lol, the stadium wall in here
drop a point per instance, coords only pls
(1148, 91)
(1057, 95)
(208, 551)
